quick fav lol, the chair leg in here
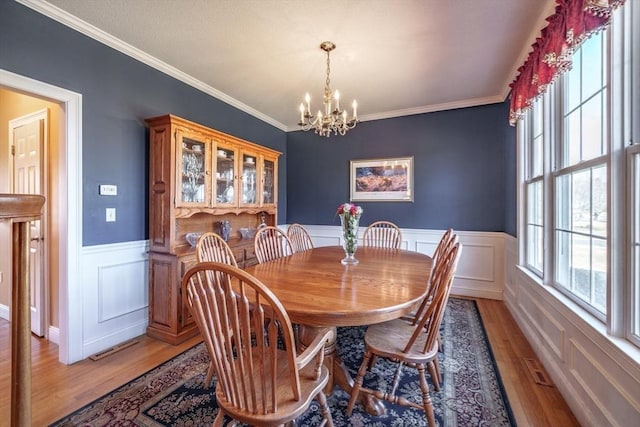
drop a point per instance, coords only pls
(324, 409)
(435, 376)
(396, 379)
(438, 373)
(426, 398)
(219, 421)
(357, 384)
(210, 372)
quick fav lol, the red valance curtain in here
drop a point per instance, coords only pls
(572, 23)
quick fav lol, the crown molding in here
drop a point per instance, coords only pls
(107, 39)
(434, 107)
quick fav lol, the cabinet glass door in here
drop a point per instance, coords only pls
(225, 177)
(249, 179)
(192, 172)
(268, 182)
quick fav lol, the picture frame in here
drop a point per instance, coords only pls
(381, 180)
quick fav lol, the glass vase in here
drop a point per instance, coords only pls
(350, 239)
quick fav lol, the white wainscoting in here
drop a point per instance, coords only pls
(598, 376)
(480, 269)
(115, 288)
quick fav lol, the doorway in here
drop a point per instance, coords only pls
(29, 147)
(65, 207)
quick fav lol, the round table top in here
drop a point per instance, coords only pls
(317, 290)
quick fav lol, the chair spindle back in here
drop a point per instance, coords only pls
(271, 243)
(382, 234)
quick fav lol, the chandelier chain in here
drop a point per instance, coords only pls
(327, 90)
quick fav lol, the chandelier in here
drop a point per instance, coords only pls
(333, 119)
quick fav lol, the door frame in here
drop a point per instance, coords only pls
(42, 114)
(69, 195)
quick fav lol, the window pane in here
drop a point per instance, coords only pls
(573, 136)
(599, 279)
(592, 114)
(581, 266)
(599, 201)
(581, 231)
(534, 247)
(635, 206)
(535, 230)
(581, 202)
(563, 202)
(563, 259)
(573, 78)
(537, 156)
(592, 71)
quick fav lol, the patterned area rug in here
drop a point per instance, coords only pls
(471, 392)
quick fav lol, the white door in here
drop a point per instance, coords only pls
(28, 140)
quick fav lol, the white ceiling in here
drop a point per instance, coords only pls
(395, 57)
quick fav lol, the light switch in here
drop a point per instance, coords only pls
(108, 190)
(111, 214)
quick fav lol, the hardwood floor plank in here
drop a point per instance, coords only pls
(533, 404)
(58, 389)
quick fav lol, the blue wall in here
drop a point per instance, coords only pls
(463, 162)
(464, 159)
(118, 93)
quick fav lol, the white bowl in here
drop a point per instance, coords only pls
(192, 238)
(247, 233)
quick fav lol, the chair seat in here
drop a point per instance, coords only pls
(309, 388)
(388, 339)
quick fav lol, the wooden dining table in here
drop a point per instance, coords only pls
(320, 293)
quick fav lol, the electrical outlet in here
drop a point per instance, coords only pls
(111, 214)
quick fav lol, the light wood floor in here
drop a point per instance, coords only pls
(58, 389)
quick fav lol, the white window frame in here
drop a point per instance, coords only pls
(622, 136)
(531, 179)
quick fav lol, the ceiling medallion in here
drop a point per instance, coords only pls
(333, 120)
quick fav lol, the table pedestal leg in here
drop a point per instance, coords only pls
(338, 372)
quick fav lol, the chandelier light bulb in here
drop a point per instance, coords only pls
(333, 121)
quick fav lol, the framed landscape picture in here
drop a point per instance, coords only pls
(382, 180)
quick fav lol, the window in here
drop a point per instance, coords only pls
(581, 179)
(534, 191)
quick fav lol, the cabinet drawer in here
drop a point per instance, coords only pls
(250, 257)
(239, 255)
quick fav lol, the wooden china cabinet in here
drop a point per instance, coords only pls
(198, 177)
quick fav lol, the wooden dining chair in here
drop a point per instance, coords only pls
(299, 237)
(211, 247)
(408, 344)
(447, 240)
(271, 243)
(261, 379)
(382, 234)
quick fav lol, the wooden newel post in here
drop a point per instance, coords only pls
(20, 210)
